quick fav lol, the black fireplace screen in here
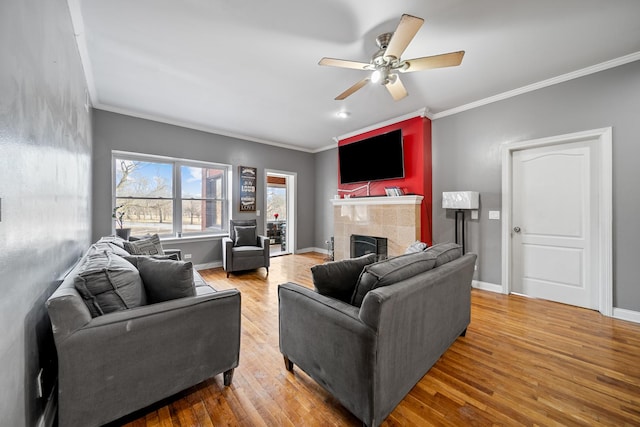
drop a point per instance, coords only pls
(362, 245)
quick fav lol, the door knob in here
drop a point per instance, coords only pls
(516, 229)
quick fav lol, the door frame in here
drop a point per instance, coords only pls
(292, 197)
(604, 237)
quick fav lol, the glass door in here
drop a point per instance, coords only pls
(277, 213)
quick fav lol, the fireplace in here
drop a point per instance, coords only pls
(396, 219)
(362, 245)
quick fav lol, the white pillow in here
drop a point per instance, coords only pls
(416, 246)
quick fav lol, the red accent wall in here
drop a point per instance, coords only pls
(417, 167)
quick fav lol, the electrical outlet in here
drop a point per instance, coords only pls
(494, 214)
(39, 383)
(187, 256)
(258, 212)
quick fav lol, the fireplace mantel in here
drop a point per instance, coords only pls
(397, 218)
(379, 200)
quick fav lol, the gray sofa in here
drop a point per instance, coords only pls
(112, 364)
(371, 354)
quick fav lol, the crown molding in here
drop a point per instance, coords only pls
(418, 113)
(540, 85)
(163, 120)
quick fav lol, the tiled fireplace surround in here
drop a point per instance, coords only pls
(396, 218)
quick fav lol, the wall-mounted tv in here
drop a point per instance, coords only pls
(376, 158)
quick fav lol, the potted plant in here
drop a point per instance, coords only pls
(118, 215)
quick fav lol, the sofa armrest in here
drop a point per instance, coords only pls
(265, 244)
(315, 329)
(264, 241)
(227, 246)
(309, 320)
(172, 251)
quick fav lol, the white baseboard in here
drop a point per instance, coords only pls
(624, 314)
(485, 286)
(48, 417)
(319, 250)
(208, 265)
(618, 313)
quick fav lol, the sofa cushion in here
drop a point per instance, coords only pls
(114, 240)
(107, 283)
(147, 246)
(337, 279)
(247, 251)
(390, 271)
(245, 235)
(445, 252)
(165, 280)
(103, 245)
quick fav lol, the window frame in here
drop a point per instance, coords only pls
(176, 197)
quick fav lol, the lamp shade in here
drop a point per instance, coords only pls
(460, 199)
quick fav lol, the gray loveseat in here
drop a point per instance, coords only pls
(112, 364)
(368, 345)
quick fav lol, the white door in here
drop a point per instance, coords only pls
(554, 223)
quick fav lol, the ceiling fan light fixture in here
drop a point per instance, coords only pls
(376, 76)
(380, 75)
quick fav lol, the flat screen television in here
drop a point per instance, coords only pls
(372, 159)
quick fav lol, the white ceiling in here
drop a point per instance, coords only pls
(249, 68)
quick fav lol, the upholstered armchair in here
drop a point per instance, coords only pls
(244, 249)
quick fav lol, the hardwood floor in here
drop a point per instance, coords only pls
(522, 362)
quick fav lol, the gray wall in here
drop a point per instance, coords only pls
(45, 173)
(466, 156)
(326, 188)
(120, 132)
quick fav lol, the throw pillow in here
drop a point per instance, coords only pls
(245, 235)
(337, 279)
(391, 271)
(133, 259)
(107, 283)
(416, 246)
(165, 280)
(445, 252)
(148, 246)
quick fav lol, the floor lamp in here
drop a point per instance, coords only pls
(460, 201)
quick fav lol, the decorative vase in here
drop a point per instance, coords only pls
(123, 233)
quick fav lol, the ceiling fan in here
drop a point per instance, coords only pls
(387, 60)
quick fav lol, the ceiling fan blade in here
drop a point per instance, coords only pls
(352, 89)
(333, 62)
(405, 32)
(437, 61)
(396, 89)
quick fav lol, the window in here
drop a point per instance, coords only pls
(203, 201)
(171, 196)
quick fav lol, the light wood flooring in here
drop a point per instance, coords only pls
(522, 362)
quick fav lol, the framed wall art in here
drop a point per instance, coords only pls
(247, 189)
